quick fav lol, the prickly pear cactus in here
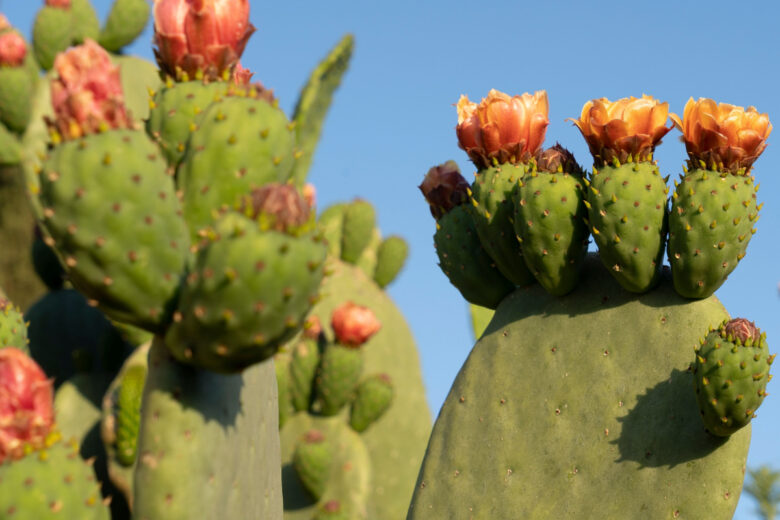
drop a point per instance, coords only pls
(613, 409)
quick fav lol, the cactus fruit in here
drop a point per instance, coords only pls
(611, 413)
(304, 360)
(390, 259)
(128, 413)
(125, 22)
(18, 77)
(357, 229)
(714, 205)
(13, 330)
(549, 219)
(373, 396)
(312, 461)
(627, 208)
(731, 372)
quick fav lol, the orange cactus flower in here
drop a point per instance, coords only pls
(87, 94)
(723, 136)
(502, 128)
(627, 128)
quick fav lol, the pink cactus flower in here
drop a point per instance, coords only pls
(354, 324)
(13, 49)
(195, 37)
(87, 94)
(26, 404)
(59, 4)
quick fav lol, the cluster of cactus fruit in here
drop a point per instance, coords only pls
(181, 250)
(527, 218)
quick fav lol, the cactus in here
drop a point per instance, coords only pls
(13, 331)
(125, 22)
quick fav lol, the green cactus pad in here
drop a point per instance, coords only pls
(339, 372)
(730, 379)
(312, 460)
(52, 34)
(493, 211)
(16, 83)
(550, 220)
(465, 262)
(357, 229)
(390, 259)
(85, 23)
(128, 413)
(52, 483)
(249, 291)
(368, 258)
(710, 226)
(241, 143)
(10, 148)
(176, 110)
(125, 22)
(373, 397)
(304, 360)
(349, 477)
(610, 413)
(13, 330)
(331, 223)
(112, 211)
(627, 217)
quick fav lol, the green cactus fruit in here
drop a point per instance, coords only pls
(13, 330)
(731, 371)
(176, 110)
(373, 397)
(331, 223)
(51, 483)
(47, 265)
(85, 23)
(492, 210)
(16, 83)
(312, 460)
(627, 217)
(314, 101)
(357, 229)
(282, 368)
(348, 480)
(128, 414)
(52, 34)
(710, 226)
(241, 143)
(304, 360)
(65, 335)
(613, 415)
(125, 22)
(390, 259)
(550, 222)
(339, 372)
(113, 213)
(220, 431)
(465, 262)
(248, 292)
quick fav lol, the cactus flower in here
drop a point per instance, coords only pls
(557, 158)
(502, 128)
(444, 188)
(13, 49)
(200, 37)
(723, 136)
(277, 206)
(741, 329)
(312, 328)
(629, 128)
(353, 324)
(26, 404)
(59, 4)
(87, 94)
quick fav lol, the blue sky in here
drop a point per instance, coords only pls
(393, 118)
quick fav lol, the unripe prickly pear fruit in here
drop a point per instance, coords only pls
(128, 413)
(312, 460)
(731, 371)
(304, 360)
(13, 331)
(373, 397)
(26, 404)
(18, 77)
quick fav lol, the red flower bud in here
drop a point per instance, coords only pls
(444, 188)
(353, 324)
(26, 404)
(742, 329)
(87, 95)
(59, 4)
(312, 328)
(200, 37)
(13, 49)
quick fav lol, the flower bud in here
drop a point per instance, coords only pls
(742, 329)
(26, 404)
(558, 159)
(353, 324)
(59, 4)
(444, 188)
(277, 206)
(13, 49)
(312, 328)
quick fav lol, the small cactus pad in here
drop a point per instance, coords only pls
(112, 211)
(710, 225)
(128, 413)
(627, 216)
(466, 264)
(550, 221)
(612, 413)
(53, 483)
(248, 292)
(125, 22)
(339, 372)
(492, 210)
(357, 229)
(390, 259)
(52, 34)
(304, 360)
(731, 371)
(373, 397)
(13, 331)
(312, 461)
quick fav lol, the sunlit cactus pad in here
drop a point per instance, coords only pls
(588, 412)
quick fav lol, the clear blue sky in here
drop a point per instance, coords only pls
(393, 118)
